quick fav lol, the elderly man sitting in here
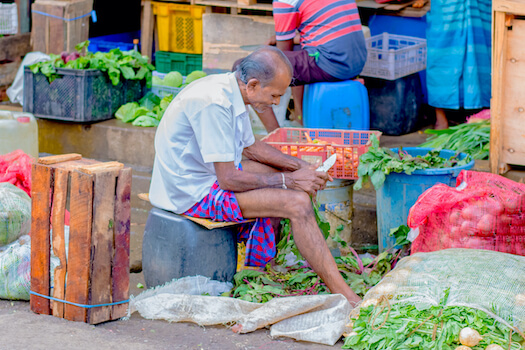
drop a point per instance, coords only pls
(199, 171)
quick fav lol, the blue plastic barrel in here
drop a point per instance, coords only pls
(401, 191)
(336, 105)
(176, 247)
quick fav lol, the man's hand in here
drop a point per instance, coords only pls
(309, 180)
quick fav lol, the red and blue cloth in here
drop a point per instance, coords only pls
(220, 205)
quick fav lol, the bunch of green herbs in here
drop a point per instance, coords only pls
(378, 162)
(148, 111)
(403, 326)
(116, 64)
(471, 138)
(288, 274)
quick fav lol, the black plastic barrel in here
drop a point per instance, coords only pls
(395, 105)
(175, 247)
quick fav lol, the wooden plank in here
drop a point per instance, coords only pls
(513, 105)
(414, 12)
(40, 251)
(246, 2)
(146, 35)
(101, 167)
(234, 4)
(57, 31)
(59, 158)
(509, 6)
(38, 30)
(370, 4)
(102, 243)
(14, 47)
(58, 239)
(77, 280)
(120, 272)
(397, 7)
(498, 59)
(8, 72)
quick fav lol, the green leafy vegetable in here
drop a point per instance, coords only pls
(117, 64)
(288, 274)
(378, 162)
(471, 138)
(147, 112)
(403, 326)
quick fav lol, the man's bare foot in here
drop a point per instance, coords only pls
(440, 125)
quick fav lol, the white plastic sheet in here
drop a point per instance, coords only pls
(314, 318)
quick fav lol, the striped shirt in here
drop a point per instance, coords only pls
(329, 29)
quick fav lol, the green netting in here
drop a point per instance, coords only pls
(15, 213)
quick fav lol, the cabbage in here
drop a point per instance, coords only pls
(15, 213)
(173, 79)
(196, 74)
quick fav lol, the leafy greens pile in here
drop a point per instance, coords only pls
(433, 327)
(471, 138)
(147, 112)
(288, 274)
(378, 162)
(117, 64)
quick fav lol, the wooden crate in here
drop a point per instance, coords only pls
(54, 35)
(96, 270)
(507, 134)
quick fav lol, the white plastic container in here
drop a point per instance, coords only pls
(18, 130)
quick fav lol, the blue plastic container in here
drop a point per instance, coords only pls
(336, 105)
(411, 26)
(401, 191)
(123, 41)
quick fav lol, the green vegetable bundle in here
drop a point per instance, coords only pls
(147, 112)
(378, 162)
(117, 64)
(403, 326)
(471, 138)
(289, 275)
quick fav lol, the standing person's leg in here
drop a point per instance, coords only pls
(441, 119)
(297, 206)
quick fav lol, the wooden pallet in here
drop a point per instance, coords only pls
(96, 269)
(507, 134)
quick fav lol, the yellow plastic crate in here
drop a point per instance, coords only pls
(179, 27)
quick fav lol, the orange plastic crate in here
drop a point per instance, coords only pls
(347, 144)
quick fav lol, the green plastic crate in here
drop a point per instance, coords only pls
(184, 63)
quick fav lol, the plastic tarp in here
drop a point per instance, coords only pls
(316, 318)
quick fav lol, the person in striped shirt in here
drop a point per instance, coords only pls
(332, 44)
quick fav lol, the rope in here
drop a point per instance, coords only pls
(76, 304)
(383, 298)
(93, 14)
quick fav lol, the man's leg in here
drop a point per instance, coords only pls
(296, 206)
(297, 93)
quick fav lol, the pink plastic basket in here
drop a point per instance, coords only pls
(312, 145)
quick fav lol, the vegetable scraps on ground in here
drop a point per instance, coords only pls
(403, 326)
(288, 274)
(471, 138)
(378, 162)
(148, 111)
(117, 64)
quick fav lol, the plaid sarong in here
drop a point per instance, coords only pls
(220, 205)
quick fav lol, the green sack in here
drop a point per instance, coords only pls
(15, 213)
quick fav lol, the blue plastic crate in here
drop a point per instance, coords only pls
(123, 41)
(337, 105)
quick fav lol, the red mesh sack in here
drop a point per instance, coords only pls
(15, 168)
(484, 211)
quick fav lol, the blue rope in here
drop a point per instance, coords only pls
(92, 13)
(75, 304)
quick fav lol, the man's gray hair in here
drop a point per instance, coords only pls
(261, 65)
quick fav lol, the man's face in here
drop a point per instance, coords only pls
(262, 98)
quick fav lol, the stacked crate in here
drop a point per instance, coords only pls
(179, 29)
